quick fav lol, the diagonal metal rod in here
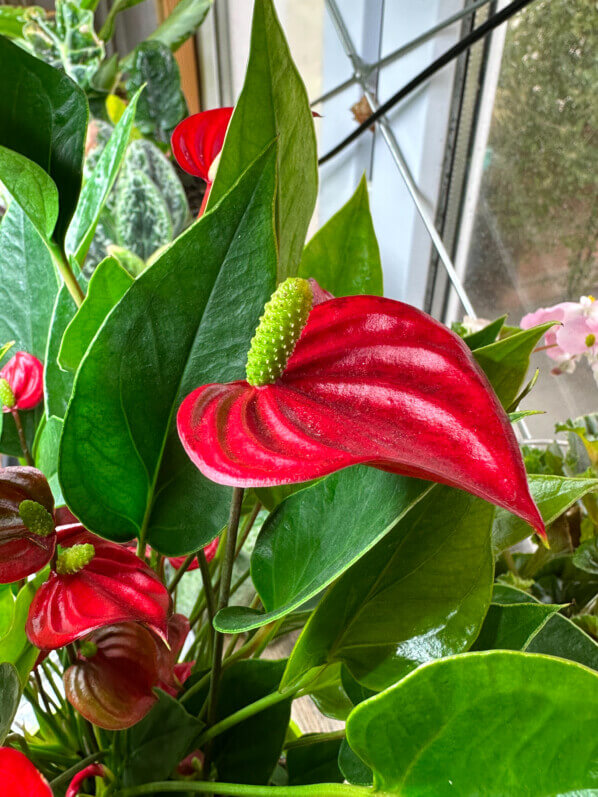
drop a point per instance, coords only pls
(399, 160)
(366, 68)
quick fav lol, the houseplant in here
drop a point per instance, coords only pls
(360, 451)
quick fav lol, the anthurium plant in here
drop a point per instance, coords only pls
(240, 476)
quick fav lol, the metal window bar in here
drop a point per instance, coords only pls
(362, 73)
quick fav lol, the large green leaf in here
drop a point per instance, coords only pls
(45, 453)
(10, 694)
(273, 103)
(553, 495)
(343, 256)
(58, 383)
(186, 321)
(162, 104)
(352, 767)
(43, 115)
(159, 742)
(108, 284)
(512, 627)
(249, 751)
(558, 636)
(316, 762)
(326, 528)
(420, 594)
(493, 724)
(506, 361)
(95, 191)
(181, 23)
(30, 186)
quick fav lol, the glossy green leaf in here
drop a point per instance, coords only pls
(159, 742)
(506, 361)
(559, 636)
(327, 528)
(274, 104)
(181, 23)
(328, 694)
(97, 188)
(586, 556)
(43, 115)
(553, 495)
(485, 336)
(420, 594)
(12, 19)
(58, 383)
(108, 284)
(45, 453)
(10, 694)
(249, 751)
(122, 468)
(513, 626)
(353, 768)
(343, 256)
(30, 186)
(162, 104)
(314, 763)
(497, 723)
(15, 648)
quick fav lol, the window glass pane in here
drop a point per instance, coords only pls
(535, 236)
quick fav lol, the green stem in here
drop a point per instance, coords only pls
(67, 275)
(22, 438)
(208, 589)
(315, 738)
(181, 572)
(243, 790)
(244, 713)
(248, 525)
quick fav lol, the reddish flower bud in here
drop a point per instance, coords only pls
(27, 534)
(18, 776)
(23, 377)
(92, 771)
(113, 688)
(370, 381)
(110, 585)
(209, 551)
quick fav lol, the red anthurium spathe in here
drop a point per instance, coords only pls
(91, 771)
(18, 776)
(21, 382)
(209, 551)
(96, 583)
(27, 534)
(197, 142)
(111, 682)
(360, 379)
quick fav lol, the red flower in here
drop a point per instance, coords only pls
(168, 674)
(91, 771)
(21, 382)
(111, 682)
(209, 551)
(370, 381)
(27, 535)
(18, 776)
(96, 583)
(197, 141)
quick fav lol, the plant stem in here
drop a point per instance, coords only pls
(315, 738)
(181, 572)
(22, 438)
(243, 790)
(67, 275)
(226, 573)
(244, 713)
(248, 525)
(207, 586)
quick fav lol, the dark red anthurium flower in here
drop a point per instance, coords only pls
(21, 382)
(91, 771)
(18, 776)
(95, 583)
(360, 379)
(197, 142)
(111, 682)
(27, 534)
(209, 551)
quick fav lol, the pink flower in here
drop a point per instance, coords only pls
(91, 771)
(21, 382)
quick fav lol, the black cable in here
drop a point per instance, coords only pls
(452, 53)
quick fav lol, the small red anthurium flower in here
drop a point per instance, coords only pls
(94, 583)
(18, 776)
(21, 382)
(91, 771)
(27, 533)
(356, 380)
(197, 142)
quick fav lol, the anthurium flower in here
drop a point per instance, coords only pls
(95, 583)
(209, 551)
(21, 382)
(197, 142)
(360, 379)
(112, 680)
(27, 534)
(172, 675)
(18, 776)
(91, 771)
